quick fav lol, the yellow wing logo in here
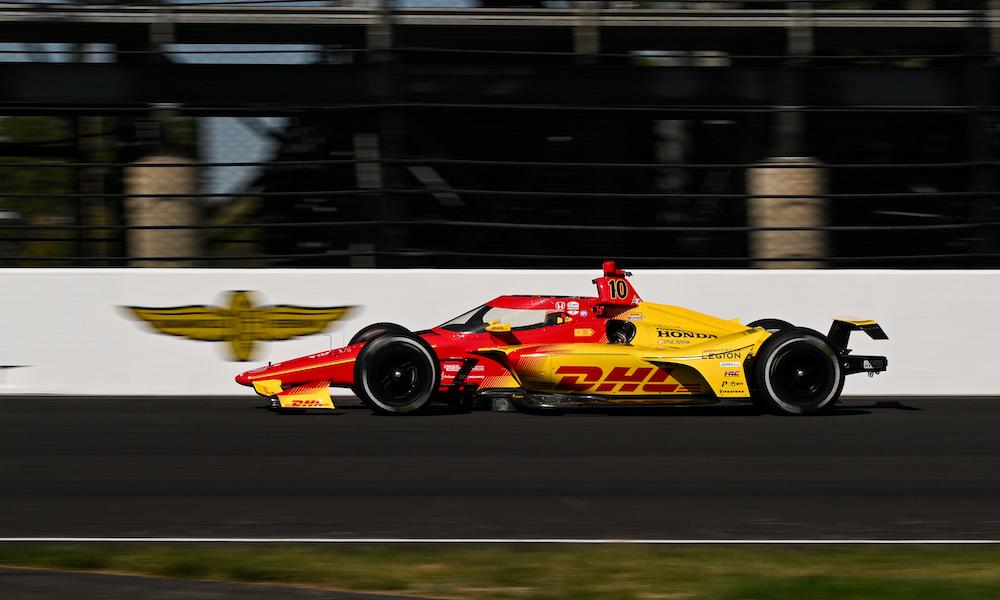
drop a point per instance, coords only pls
(241, 324)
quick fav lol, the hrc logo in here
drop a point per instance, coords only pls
(651, 380)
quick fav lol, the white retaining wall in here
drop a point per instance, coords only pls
(68, 332)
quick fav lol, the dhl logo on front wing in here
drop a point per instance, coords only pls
(305, 403)
(651, 380)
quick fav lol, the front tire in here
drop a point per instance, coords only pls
(371, 332)
(396, 374)
(797, 372)
(376, 330)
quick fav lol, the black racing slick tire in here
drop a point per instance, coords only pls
(796, 372)
(396, 374)
(771, 325)
(375, 330)
(369, 333)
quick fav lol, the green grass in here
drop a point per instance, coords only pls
(842, 572)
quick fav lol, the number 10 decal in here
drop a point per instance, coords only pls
(617, 289)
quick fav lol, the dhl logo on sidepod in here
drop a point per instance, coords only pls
(652, 380)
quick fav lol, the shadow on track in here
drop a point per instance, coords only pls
(893, 404)
(434, 410)
(439, 410)
(839, 410)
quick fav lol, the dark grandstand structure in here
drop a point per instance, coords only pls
(513, 135)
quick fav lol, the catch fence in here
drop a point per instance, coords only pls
(675, 134)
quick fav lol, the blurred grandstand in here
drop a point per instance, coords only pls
(504, 134)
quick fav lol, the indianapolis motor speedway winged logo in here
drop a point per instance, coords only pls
(240, 324)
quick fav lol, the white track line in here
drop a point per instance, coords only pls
(293, 540)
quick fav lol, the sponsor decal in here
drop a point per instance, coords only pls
(867, 365)
(560, 305)
(729, 363)
(583, 332)
(731, 374)
(454, 369)
(621, 379)
(305, 403)
(671, 342)
(239, 324)
(732, 384)
(635, 317)
(721, 354)
(725, 354)
(680, 333)
(573, 307)
(583, 313)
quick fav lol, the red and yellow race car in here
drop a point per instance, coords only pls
(558, 352)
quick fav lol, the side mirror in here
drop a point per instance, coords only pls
(497, 327)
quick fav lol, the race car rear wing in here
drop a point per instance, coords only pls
(614, 288)
(840, 331)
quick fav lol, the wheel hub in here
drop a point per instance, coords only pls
(802, 374)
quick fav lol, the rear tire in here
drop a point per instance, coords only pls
(396, 374)
(796, 372)
(771, 325)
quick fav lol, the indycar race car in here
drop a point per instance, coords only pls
(559, 352)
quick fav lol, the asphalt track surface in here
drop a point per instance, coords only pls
(912, 469)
